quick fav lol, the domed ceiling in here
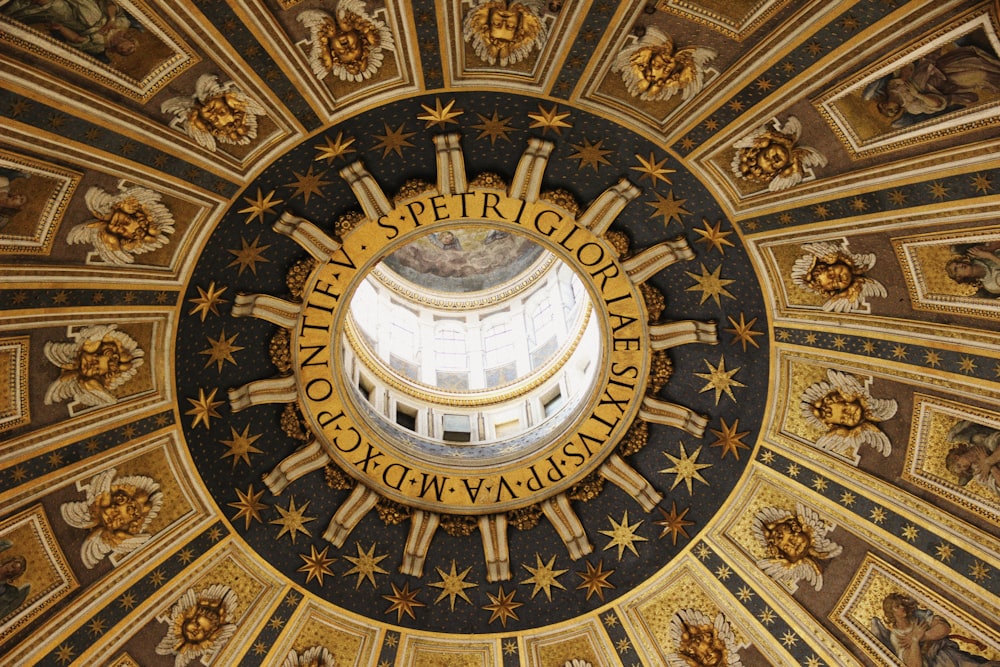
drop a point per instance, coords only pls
(784, 216)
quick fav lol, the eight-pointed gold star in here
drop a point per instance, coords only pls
(623, 535)
(317, 564)
(240, 445)
(261, 206)
(502, 606)
(544, 577)
(207, 302)
(403, 601)
(293, 519)
(393, 140)
(714, 237)
(673, 522)
(248, 256)
(249, 506)
(440, 116)
(653, 169)
(333, 148)
(494, 128)
(686, 468)
(549, 119)
(729, 439)
(669, 207)
(595, 580)
(204, 408)
(308, 184)
(710, 284)
(720, 379)
(453, 585)
(590, 155)
(743, 332)
(221, 349)
(366, 565)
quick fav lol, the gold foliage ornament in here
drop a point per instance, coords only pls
(98, 360)
(771, 155)
(831, 270)
(794, 544)
(653, 70)
(702, 641)
(348, 45)
(117, 512)
(844, 408)
(200, 624)
(215, 112)
(504, 31)
(127, 223)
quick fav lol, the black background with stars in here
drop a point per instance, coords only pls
(591, 155)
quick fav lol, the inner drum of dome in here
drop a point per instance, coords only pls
(297, 458)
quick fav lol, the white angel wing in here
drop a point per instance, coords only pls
(130, 544)
(872, 287)
(694, 74)
(77, 514)
(99, 201)
(846, 383)
(779, 182)
(792, 127)
(869, 434)
(203, 138)
(882, 408)
(840, 304)
(808, 156)
(314, 20)
(62, 354)
(93, 550)
(826, 249)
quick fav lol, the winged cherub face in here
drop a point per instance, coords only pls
(833, 277)
(201, 622)
(223, 116)
(504, 24)
(129, 220)
(701, 647)
(100, 359)
(835, 409)
(790, 539)
(346, 46)
(123, 509)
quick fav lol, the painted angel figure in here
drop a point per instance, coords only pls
(794, 544)
(702, 641)
(843, 407)
(505, 31)
(348, 45)
(315, 656)
(129, 222)
(772, 155)
(654, 70)
(830, 269)
(199, 624)
(117, 511)
(215, 112)
(98, 360)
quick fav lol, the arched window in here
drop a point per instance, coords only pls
(498, 344)
(541, 322)
(404, 341)
(450, 352)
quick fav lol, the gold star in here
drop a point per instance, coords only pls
(316, 564)
(720, 379)
(403, 601)
(157, 578)
(859, 204)
(821, 211)
(766, 616)
(939, 190)
(944, 552)
(714, 237)
(249, 506)
(127, 601)
(673, 522)
(215, 533)
(819, 484)
(813, 661)
(814, 48)
(549, 119)
(259, 648)
(393, 140)
(97, 627)
(687, 143)
(590, 155)
(595, 580)
(261, 206)
(710, 285)
(711, 125)
(793, 470)
(981, 183)
(510, 648)
(979, 571)
(729, 439)
(789, 639)
(743, 331)
(703, 552)
(502, 606)
(668, 207)
(723, 572)
(878, 515)
(932, 358)
(899, 351)
(653, 170)
(686, 468)
(276, 623)
(185, 556)
(439, 115)
(623, 645)
(453, 585)
(249, 256)
(610, 619)
(967, 365)
(544, 577)
(240, 445)
(847, 499)
(308, 184)
(767, 457)
(333, 148)
(623, 535)
(745, 594)
(868, 346)
(811, 338)
(221, 349)
(65, 653)
(61, 298)
(55, 459)
(207, 302)
(839, 342)
(19, 474)
(897, 197)
(494, 128)
(293, 519)
(366, 565)
(204, 408)
(763, 83)
(910, 532)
